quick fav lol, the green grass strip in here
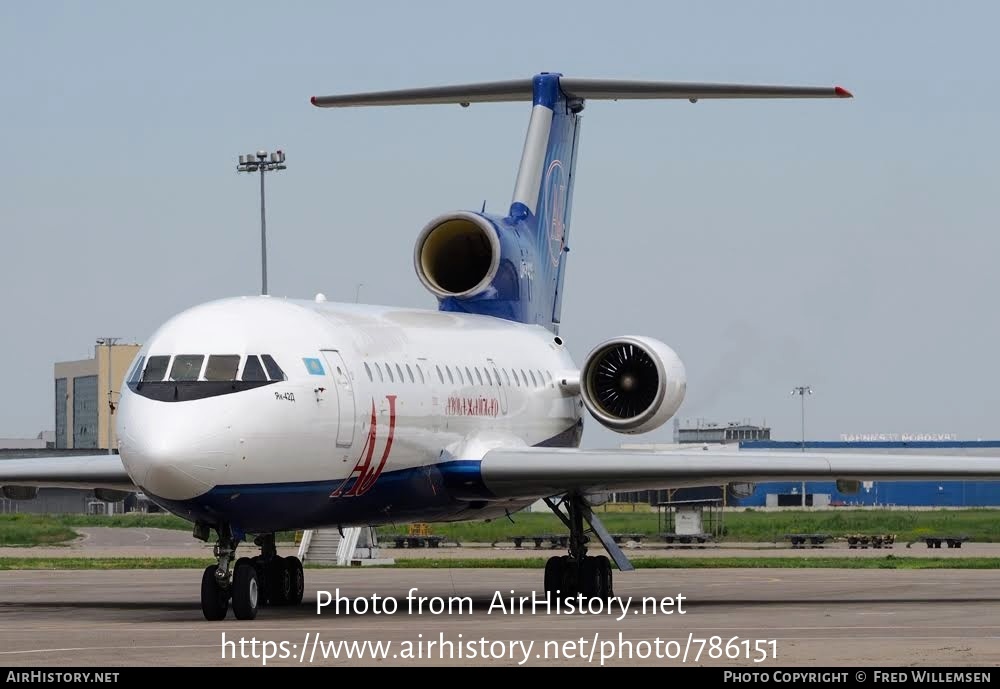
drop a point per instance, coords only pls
(981, 525)
(9, 563)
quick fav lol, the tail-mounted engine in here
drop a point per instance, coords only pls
(633, 384)
(458, 255)
(484, 264)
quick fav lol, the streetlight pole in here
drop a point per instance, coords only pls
(802, 391)
(109, 342)
(263, 238)
(262, 161)
(357, 291)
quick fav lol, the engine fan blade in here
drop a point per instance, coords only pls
(626, 381)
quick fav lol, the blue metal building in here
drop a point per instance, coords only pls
(909, 493)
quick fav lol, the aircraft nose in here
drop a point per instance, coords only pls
(160, 465)
(174, 457)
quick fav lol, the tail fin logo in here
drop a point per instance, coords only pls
(555, 206)
(366, 474)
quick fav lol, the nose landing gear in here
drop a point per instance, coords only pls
(265, 579)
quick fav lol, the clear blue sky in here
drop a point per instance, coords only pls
(849, 245)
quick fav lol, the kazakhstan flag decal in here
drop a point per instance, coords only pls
(314, 366)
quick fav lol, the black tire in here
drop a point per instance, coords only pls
(279, 582)
(296, 580)
(246, 590)
(553, 574)
(607, 576)
(570, 584)
(214, 599)
(590, 578)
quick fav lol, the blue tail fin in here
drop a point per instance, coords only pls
(543, 193)
(513, 267)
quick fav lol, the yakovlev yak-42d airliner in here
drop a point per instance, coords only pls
(254, 415)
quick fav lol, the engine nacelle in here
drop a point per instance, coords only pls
(633, 384)
(457, 255)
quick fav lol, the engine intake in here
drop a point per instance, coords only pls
(633, 384)
(457, 255)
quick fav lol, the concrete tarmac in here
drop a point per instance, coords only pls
(813, 617)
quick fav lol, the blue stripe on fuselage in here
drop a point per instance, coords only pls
(448, 491)
(433, 492)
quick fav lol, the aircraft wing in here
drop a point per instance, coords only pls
(86, 471)
(542, 472)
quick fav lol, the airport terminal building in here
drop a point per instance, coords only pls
(879, 493)
(82, 407)
(748, 437)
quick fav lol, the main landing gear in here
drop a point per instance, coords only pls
(579, 573)
(265, 579)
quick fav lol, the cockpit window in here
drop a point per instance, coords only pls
(274, 371)
(186, 367)
(156, 368)
(253, 372)
(191, 377)
(137, 370)
(222, 367)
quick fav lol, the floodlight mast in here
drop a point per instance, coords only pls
(802, 391)
(262, 161)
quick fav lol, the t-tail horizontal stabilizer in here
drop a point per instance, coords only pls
(588, 89)
(525, 251)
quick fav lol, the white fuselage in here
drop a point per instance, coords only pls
(441, 388)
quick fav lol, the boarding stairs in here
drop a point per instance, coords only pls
(340, 547)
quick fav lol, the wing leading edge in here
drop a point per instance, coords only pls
(541, 472)
(88, 471)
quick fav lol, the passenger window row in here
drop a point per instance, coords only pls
(214, 367)
(386, 372)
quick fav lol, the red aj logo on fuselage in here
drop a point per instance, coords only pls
(363, 473)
